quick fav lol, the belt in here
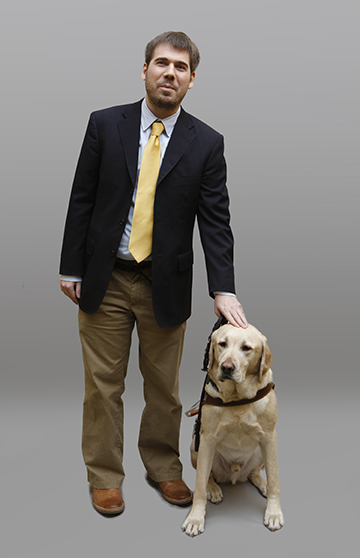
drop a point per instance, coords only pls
(126, 265)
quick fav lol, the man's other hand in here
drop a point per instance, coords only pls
(72, 289)
(231, 309)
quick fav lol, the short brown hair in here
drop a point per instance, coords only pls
(178, 40)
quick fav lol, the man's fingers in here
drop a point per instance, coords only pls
(78, 290)
(71, 289)
(240, 318)
(237, 320)
(231, 309)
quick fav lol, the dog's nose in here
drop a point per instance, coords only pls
(227, 369)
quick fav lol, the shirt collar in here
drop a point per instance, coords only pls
(148, 118)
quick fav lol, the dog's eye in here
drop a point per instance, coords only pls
(246, 348)
(222, 344)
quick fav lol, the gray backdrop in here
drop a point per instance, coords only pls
(280, 80)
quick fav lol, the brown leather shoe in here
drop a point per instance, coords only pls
(175, 491)
(108, 501)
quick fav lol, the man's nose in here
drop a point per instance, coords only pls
(170, 71)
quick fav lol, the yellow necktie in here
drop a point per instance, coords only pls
(140, 244)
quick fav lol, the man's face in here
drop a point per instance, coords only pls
(167, 79)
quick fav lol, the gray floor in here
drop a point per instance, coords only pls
(46, 507)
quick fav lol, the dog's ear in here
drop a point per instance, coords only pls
(266, 359)
(211, 352)
(220, 322)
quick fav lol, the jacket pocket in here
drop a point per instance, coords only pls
(185, 260)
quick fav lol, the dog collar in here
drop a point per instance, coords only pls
(217, 402)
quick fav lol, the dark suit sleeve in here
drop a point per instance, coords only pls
(214, 222)
(82, 200)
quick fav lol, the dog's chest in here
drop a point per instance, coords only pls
(240, 433)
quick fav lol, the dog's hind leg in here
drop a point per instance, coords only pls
(256, 479)
(256, 464)
(213, 492)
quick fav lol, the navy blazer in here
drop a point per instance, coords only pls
(191, 183)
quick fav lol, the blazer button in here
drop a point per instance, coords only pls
(113, 253)
(122, 221)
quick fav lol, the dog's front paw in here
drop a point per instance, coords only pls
(193, 526)
(273, 518)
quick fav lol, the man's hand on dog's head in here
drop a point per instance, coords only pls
(231, 309)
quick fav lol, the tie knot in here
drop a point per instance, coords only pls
(157, 128)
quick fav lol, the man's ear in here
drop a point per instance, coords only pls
(192, 79)
(143, 71)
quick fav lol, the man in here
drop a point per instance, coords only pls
(145, 172)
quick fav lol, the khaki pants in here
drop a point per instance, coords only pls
(106, 338)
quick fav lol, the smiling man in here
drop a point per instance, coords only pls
(167, 79)
(146, 171)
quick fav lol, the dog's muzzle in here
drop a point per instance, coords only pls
(227, 369)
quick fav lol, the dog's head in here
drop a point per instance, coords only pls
(237, 354)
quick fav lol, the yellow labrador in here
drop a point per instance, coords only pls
(236, 442)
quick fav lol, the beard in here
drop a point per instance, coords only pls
(163, 99)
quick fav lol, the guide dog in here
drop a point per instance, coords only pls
(237, 432)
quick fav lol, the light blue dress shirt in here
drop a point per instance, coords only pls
(147, 120)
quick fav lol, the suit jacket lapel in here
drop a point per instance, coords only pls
(129, 130)
(182, 136)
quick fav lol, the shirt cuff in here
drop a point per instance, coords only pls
(223, 293)
(70, 278)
